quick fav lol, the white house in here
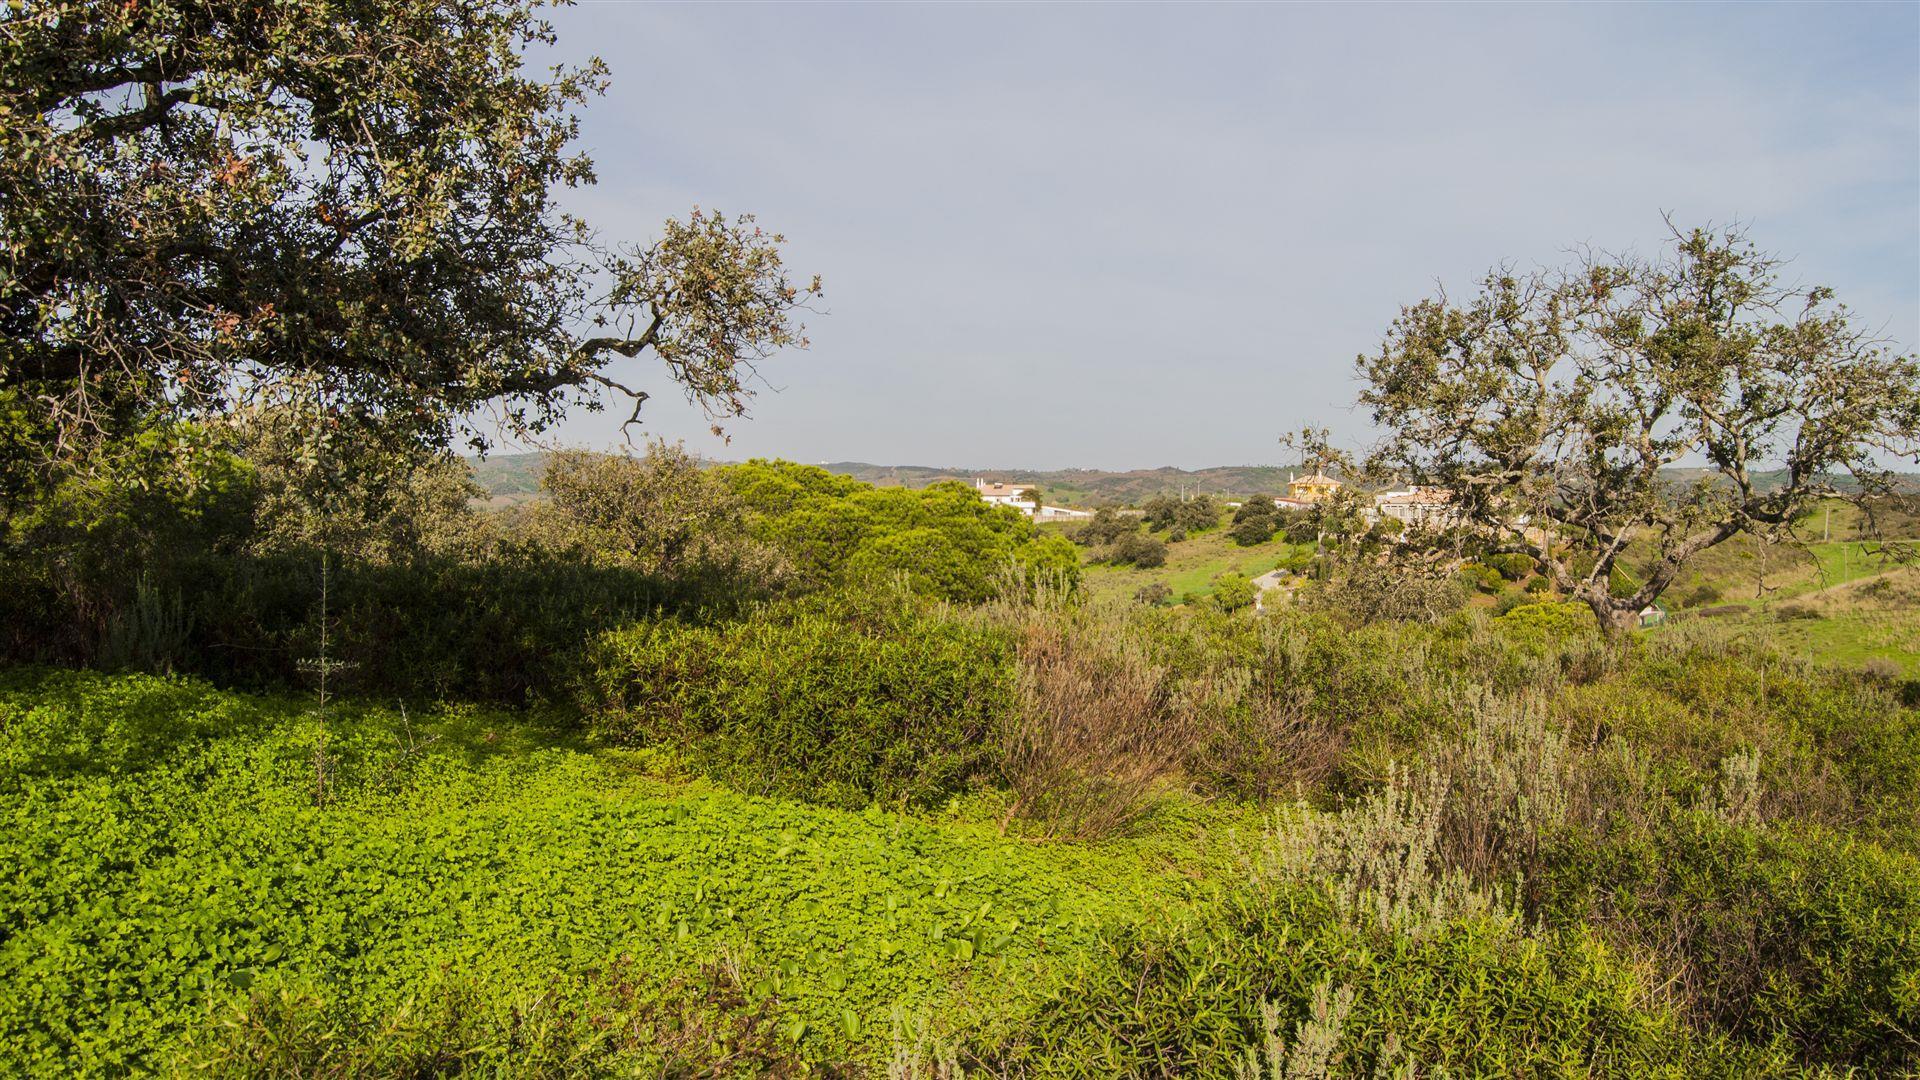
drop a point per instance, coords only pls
(1417, 507)
(1015, 496)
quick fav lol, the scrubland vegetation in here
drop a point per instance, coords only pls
(775, 804)
(311, 767)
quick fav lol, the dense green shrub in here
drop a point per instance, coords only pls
(1834, 748)
(1364, 591)
(1481, 576)
(220, 574)
(1508, 599)
(1190, 515)
(1254, 531)
(81, 546)
(1233, 591)
(1255, 521)
(1106, 527)
(1291, 697)
(1512, 565)
(1138, 549)
(833, 700)
(1547, 625)
(1153, 593)
(511, 628)
(1774, 934)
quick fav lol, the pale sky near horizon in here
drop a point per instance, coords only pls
(1130, 236)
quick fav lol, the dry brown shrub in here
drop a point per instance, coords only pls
(1097, 729)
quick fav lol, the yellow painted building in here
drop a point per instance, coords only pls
(1312, 488)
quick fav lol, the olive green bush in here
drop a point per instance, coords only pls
(1791, 936)
(1191, 515)
(843, 700)
(1096, 730)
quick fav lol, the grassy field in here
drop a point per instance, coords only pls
(1868, 616)
(1192, 564)
(1819, 598)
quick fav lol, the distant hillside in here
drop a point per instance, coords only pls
(509, 474)
(1772, 479)
(514, 477)
(517, 476)
(1085, 487)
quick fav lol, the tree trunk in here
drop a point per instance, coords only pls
(1616, 617)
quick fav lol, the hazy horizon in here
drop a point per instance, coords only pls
(1132, 237)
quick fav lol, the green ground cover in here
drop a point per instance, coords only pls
(1855, 638)
(171, 866)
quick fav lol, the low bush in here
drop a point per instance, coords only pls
(838, 700)
(1153, 594)
(1253, 531)
(1367, 592)
(1258, 731)
(942, 540)
(1797, 935)
(1469, 994)
(1512, 565)
(1233, 591)
(511, 629)
(1192, 515)
(1508, 599)
(1096, 730)
(1106, 527)
(1138, 549)
(1544, 625)
(1481, 576)
(1255, 522)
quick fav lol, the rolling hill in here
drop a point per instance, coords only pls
(517, 476)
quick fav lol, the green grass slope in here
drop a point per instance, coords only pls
(1191, 566)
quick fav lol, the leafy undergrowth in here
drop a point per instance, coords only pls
(193, 887)
(203, 882)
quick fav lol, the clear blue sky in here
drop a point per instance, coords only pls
(1129, 236)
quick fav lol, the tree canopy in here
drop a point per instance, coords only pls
(207, 204)
(1552, 404)
(943, 540)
